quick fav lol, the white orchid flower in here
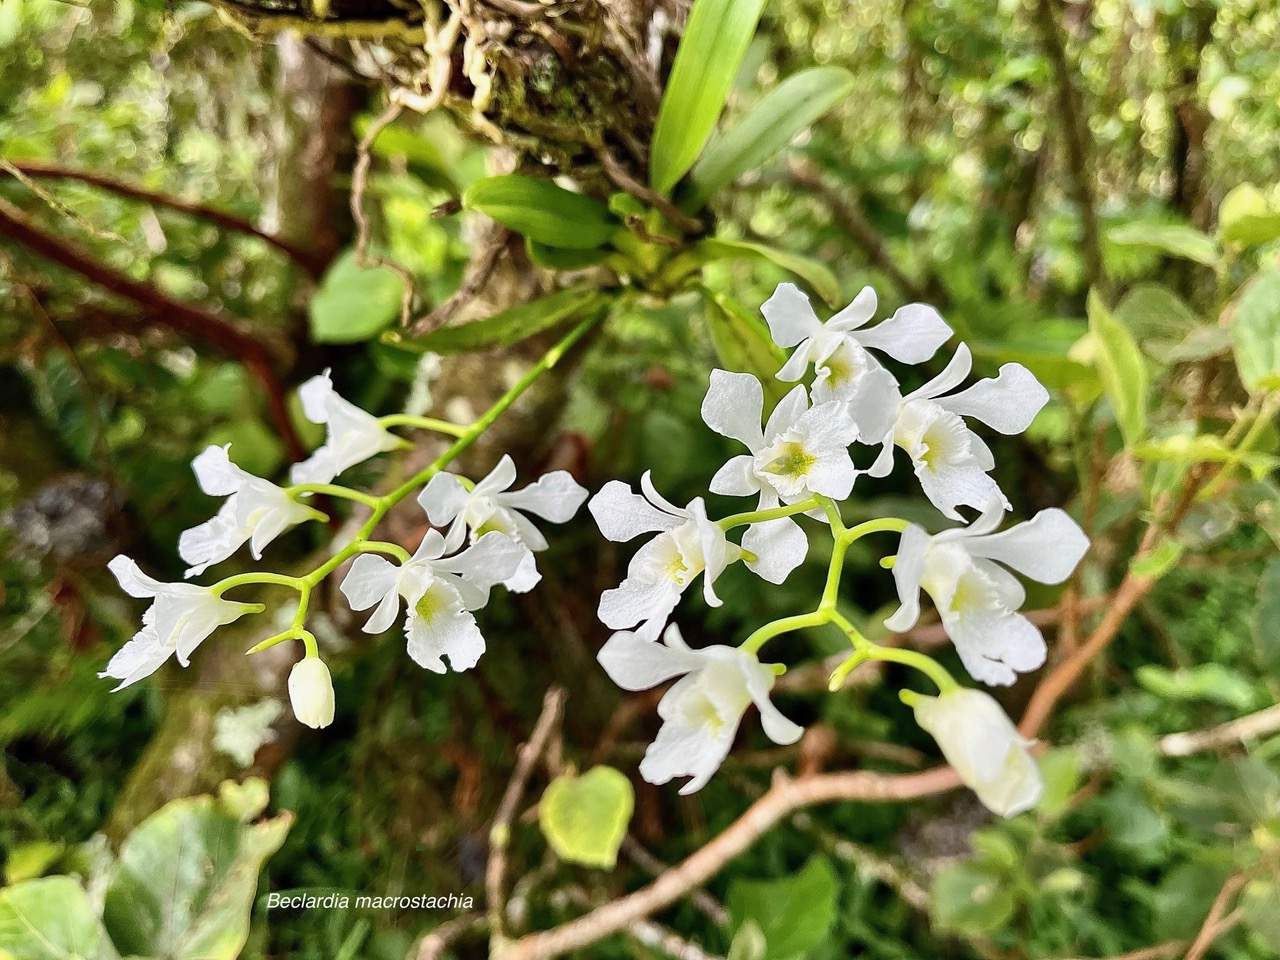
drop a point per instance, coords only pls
(951, 460)
(181, 615)
(311, 692)
(256, 511)
(491, 505)
(702, 710)
(440, 593)
(984, 747)
(353, 435)
(840, 350)
(977, 598)
(801, 451)
(687, 544)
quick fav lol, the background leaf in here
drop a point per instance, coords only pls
(795, 913)
(714, 41)
(1174, 239)
(1255, 330)
(353, 303)
(51, 919)
(509, 326)
(1120, 365)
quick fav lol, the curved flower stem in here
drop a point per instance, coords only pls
(332, 490)
(769, 513)
(423, 423)
(754, 642)
(380, 505)
(243, 579)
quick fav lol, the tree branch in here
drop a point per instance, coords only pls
(212, 327)
(311, 261)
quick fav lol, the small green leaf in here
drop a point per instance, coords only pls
(1159, 561)
(1260, 904)
(1153, 312)
(1255, 330)
(1060, 773)
(542, 211)
(767, 128)
(585, 818)
(970, 899)
(558, 258)
(1174, 239)
(51, 919)
(714, 43)
(1120, 366)
(1183, 898)
(30, 860)
(353, 303)
(1247, 218)
(795, 913)
(815, 275)
(505, 328)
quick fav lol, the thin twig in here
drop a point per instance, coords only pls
(1235, 731)
(623, 180)
(214, 328)
(500, 832)
(479, 270)
(359, 182)
(310, 260)
(646, 861)
(1216, 923)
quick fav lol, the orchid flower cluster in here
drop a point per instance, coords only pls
(488, 539)
(799, 463)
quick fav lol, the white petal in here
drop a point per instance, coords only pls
(857, 313)
(874, 405)
(449, 631)
(779, 546)
(883, 464)
(912, 335)
(431, 547)
(140, 657)
(733, 407)
(736, 478)
(1008, 403)
(634, 663)
(132, 580)
(212, 541)
(949, 487)
(494, 558)
(789, 315)
(995, 645)
(622, 515)
(789, 410)
(525, 531)
(321, 467)
(500, 478)
(443, 498)
(526, 576)
(1045, 548)
(951, 376)
(369, 580)
(215, 473)
(384, 614)
(315, 394)
(555, 496)
(777, 727)
(908, 568)
(638, 601)
(796, 364)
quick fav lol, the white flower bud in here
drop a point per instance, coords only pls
(311, 692)
(981, 742)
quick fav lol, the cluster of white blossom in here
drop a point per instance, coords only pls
(800, 453)
(441, 584)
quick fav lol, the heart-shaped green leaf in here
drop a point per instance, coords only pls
(542, 211)
(585, 818)
(353, 303)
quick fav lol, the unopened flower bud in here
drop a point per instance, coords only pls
(980, 741)
(311, 692)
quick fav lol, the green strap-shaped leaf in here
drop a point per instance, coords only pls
(542, 211)
(509, 326)
(585, 818)
(714, 43)
(1120, 367)
(767, 128)
(816, 275)
(743, 344)
(1255, 331)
